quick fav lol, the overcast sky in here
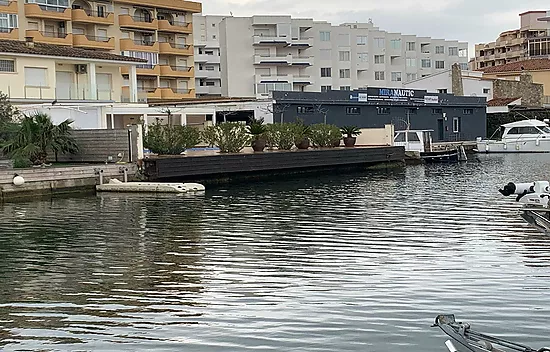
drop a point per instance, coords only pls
(473, 21)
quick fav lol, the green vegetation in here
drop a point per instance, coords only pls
(350, 131)
(325, 136)
(170, 139)
(230, 137)
(257, 128)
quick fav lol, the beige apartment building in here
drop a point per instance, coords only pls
(160, 32)
(531, 40)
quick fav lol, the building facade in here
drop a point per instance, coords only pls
(452, 118)
(531, 40)
(159, 31)
(260, 54)
(207, 55)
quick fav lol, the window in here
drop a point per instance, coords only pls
(353, 110)
(51, 4)
(439, 64)
(326, 88)
(437, 111)
(345, 73)
(362, 40)
(439, 49)
(7, 22)
(382, 110)
(344, 55)
(214, 36)
(266, 88)
(379, 75)
(524, 130)
(442, 91)
(325, 36)
(456, 124)
(425, 48)
(305, 109)
(326, 72)
(396, 76)
(379, 42)
(411, 77)
(410, 62)
(411, 46)
(363, 57)
(7, 66)
(325, 54)
(486, 90)
(468, 111)
(345, 87)
(395, 43)
(453, 51)
(426, 63)
(463, 52)
(463, 66)
(378, 59)
(36, 77)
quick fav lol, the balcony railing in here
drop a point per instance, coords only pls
(145, 19)
(146, 66)
(146, 89)
(181, 68)
(144, 42)
(54, 34)
(99, 14)
(91, 16)
(8, 6)
(179, 46)
(97, 38)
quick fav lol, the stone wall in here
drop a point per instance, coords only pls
(531, 94)
(456, 81)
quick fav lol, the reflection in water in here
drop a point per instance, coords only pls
(358, 262)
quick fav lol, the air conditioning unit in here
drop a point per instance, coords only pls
(79, 68)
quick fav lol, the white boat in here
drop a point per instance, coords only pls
(526, 136)
(535, 197)
(419, 142)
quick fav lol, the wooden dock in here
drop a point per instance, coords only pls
(215, 167)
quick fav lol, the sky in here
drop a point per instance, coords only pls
(464, 20)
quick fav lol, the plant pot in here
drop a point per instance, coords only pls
(349, 142)
(259, 144)
(302, 144)
(336, 144)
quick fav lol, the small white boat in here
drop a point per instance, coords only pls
(535, 197)
(115, 185)
(526, 136)
(419, 142)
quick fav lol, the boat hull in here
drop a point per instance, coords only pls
(445, 156)
(541, 145)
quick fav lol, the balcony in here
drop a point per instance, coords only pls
(281, 77)
(87, 16)
(93, 42)
(212, 59)
(302, 79)
(176, 49)
(282, 40)
(143, 70)
(176, 5)
(137, 22)
(212, 74)
(175, 94)
(9, 33)
(47, 12)
(8, 6)
(272, 59)
(50, 37)
(304, 42)
(175, 27)
(127, 44)
(177, 71)
(208, 90)
(302, 60)
(150, 93)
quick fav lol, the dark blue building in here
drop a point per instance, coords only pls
(453, 118)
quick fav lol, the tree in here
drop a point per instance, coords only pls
(8, 112)
(37, 136)
(276, 109)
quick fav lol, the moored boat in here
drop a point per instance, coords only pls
(525, 136)
(535, 197)
(419, 142)
(464, 339)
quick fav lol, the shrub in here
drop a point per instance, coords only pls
(301, 130)
(230, 137)
(324, 136)
(350, 131)
(281, 135)
(257, 128)
(170, 140)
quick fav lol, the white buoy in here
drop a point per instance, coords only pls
(18, 180)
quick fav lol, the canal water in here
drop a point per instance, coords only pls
(360, 262)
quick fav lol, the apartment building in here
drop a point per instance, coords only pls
(207, 55)
(260, 54)
(158, 31)
(531, 40)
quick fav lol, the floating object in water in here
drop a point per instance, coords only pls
(535, 197)
(115, 185)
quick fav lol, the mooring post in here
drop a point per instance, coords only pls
(100, 172)
(125, 172)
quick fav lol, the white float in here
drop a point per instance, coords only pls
(115, 185)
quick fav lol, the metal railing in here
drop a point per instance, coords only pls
(95, 38)
(146, 19)
(94, 13)
(178, 23)
(54, 34)
(5, 30)
(144, 42)
(146, 89)
(146, 66)
(50, 8)
(178, 46)
(181, 68)
(5, 2)
(180, 90)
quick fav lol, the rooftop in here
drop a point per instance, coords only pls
(21, 47)
(518, 66)
(501, 101)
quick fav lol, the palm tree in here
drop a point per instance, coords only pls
(37, 136)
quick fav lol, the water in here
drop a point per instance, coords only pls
(360, 262)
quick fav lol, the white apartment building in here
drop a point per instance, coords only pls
(260, 54)
(207, 55)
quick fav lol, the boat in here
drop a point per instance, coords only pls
(419, 143)
(535, 197)
(525, 136)
(464, 339)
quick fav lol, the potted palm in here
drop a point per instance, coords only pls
(302, 133)
(350, 133)
(258, 130)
